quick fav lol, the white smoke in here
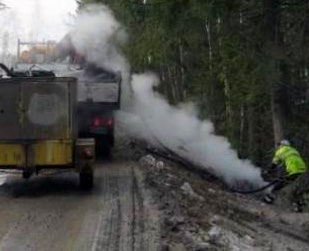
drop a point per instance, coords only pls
(98, 36)
(180, 130)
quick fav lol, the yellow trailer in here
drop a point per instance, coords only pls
(38, 126)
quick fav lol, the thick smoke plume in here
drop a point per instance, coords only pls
(179, 129)
(98, 35)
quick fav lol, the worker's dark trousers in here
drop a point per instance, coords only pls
(284, 182)
(297, 189)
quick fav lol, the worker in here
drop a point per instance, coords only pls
(289, 166)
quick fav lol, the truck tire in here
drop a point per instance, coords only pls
(86, 180)
(112, 140)
(27, 174)
(103, 147)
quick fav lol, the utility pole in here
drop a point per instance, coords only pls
(5, 47)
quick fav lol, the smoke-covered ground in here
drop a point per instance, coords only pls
(147, 114)
(198, 215)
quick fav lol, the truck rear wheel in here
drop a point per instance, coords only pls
(103, 147)
(86, 180)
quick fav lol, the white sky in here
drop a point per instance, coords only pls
(36, 19)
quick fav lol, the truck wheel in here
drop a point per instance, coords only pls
(26, 175)
(112, 140)
(103, 149)
(86, 180)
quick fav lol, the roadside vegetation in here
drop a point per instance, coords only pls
(244, 63)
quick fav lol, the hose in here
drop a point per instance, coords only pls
(255, 190)
(171, 155)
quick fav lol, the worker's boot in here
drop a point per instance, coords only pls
(297, 207)
(299, 204)
(269, 198)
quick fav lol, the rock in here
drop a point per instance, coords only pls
(171, 176)
(215, 219)
(249, 239)
(148, 160)
(188, 235)
(202, 247)
(188, 190)
(165, 247)
(210, 190)
(305, 226)
(215, 234)
(177, 247)
(160, 165)
(174, 222)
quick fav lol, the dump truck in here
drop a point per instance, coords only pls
(98, 100)
(38, 125)
(99, 94)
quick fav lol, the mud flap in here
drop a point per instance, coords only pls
(86, 180)
(85, 158)
(104, 145)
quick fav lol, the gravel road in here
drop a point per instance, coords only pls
(51, 213)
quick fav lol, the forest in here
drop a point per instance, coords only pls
(244, 63)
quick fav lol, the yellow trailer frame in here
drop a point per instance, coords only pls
(38, 127)
(45, 152)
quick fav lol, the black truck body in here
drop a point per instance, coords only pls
(98, 99)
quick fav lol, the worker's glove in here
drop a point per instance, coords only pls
(272, 166)
(269, 173)
(281, 173)
(265, 173)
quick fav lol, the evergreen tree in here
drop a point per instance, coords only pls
(244, 62)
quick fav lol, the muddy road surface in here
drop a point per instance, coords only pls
(52, 213)
(141, 205)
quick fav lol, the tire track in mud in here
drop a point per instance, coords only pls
(121, 224)
(107, 234)
(112, 217)
(138, 227)
(133, 212)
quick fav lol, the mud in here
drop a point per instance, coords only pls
(51, 213)
(200, 214)
(141, 202)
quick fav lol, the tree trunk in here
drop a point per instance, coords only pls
(208, 35)
(276, 117)
(251, 127)
(172, 86)
(242, 129)
(274, 79)
(182, 72)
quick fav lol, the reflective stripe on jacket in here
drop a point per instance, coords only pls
(290, 158)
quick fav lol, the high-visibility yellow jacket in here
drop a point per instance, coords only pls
(291, 159)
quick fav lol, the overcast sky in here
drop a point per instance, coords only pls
(36, 19)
